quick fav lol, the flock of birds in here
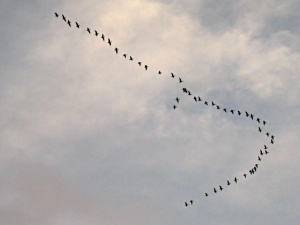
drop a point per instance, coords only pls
(197, 99)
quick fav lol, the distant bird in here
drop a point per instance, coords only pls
(174, 107)
(189, 93)
(247, 114)
(124, 55)
(180, 81)
(77, 25)
(177, 99)
(172, 75)
(109, 42)
(159, 72)
(140, 63)
(206, 103)
(264, 122)
(191, 202)
(63, 17)
(218, 107)
(251, 172)
(256, 165)
(254, 169)
(103, 37)
(184, 90)
(88, 30)
(130, 58)
(199, 99)
(252, 116)
(225, 110)
(261, 153)
(116, 49)
(195, 98)
(232, 111)
(258, 120)
(186, 204)
(221, 188)
(206, 194)
(272, 142)
(239, 113)
(272, 136)
(267, 134)
(69, 23)
(56, 14)
(215, 190)
(266, 152)
(259, 129)
(245, 175)
(266, 147)
(146, 67)
(228, 183)
(259, 158)
(235, 180)
(96, 33)
(212, 103)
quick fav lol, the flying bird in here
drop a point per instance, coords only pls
(140, 63)
(239, 113)
(256, 165)
(199, 99)
(186, 204)
(228, 183)
(96, 33)
(124, 55)
(225, 110)
(247, 114)
(254, 169)
(109, 42)
(267, 134)
(261, 153)
(252, 116)
(235, 180)
(146, 67)
(251, 172)
(272, 136)
(159, 72)
(221, 188)
(206, 194)
(245, 175)
(195, 98)
(206, 103)
(189, 93)
(130, 58)
(266, 147)
(258, 120)
(88, 30)
(212, 103)
(103, 37)
(259, 129)
(174, 107)
(259, 158)
(77, 25)
(63, 17)
(218, 107)
(184, 90)
(215, 190)
(264, 122)
(116, 49)
(191, 202)
(266, 152)
(232, 111)
(180, 81)
(69, 23)
(272, 142)
(177, 99)
(56, 14)
(172, 75)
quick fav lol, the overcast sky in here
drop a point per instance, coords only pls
(89, 137)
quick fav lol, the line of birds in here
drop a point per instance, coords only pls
(196, 99)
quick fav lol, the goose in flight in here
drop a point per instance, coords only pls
(180, 81)
(146, 67)
(109, 42)
(256, 165)
(77, 25)
(116, 49)
(189, 93)
(259, 158)
(103, 37)
(56, 14)
(206, 194)
(130, 58)
(264, 122)
(267, 134)
(199, 99)
(218, 107)
(63, 17)
(235, 180)
(159, 72)
(195, 98)
(191, 202)
(254, 169)
(261, 152)
(184, 90)
(225, 110)
(232, 111)
(215, 190)
(140, 63)
(266, 152)
(174, 107)
(124, 55)
(212, 103)
(251, 172)
(221, 188)
(96, 33)
(172, 75)
(206, 103)
(186, 204)
(69, 23)
(245, 175)
(252, 116)
(88, 30)
(239, 113)
(266, 147)
(247, 114)
(258, 120)
(272, 142)
(259, 129)
(177, 99)
(272, 136)
(228, 183)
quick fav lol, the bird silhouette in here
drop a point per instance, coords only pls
(159, 72)
(206, 103)
(239, 113)
(191, 202)
(232, 111)
(212, 103)
(259, 129)
(69, 23)
(103, 37)
(267, 134)
(206, 194)
(265, 147)
(228, 183)
(174, 107)
(195, 98)
(88, 30)
(247, 114)
(140, 63)
(254, 169)
(218, 107)
(251, 172)
(225, 110)
(272, 136)
(146, 67)
(186, 204)
(177, 99)
(266, 152)
(172, 75)
(189, 93)
(258, 120)
(77, 25)
(124, 55)
(259, 158)
(116, 49)
(199, 99)
(180, 81)
(215, 190)
(63, 17)
(256, 165)
(56, 14)
(130, 58)
(272, 142)
(245, 175)
(235, 179)
(221, 188)
(184, 90)
(96, 33)
(252, 116)
(109, 42)
(264, 122)
(261, 152)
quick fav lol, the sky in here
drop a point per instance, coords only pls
(90, 137)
